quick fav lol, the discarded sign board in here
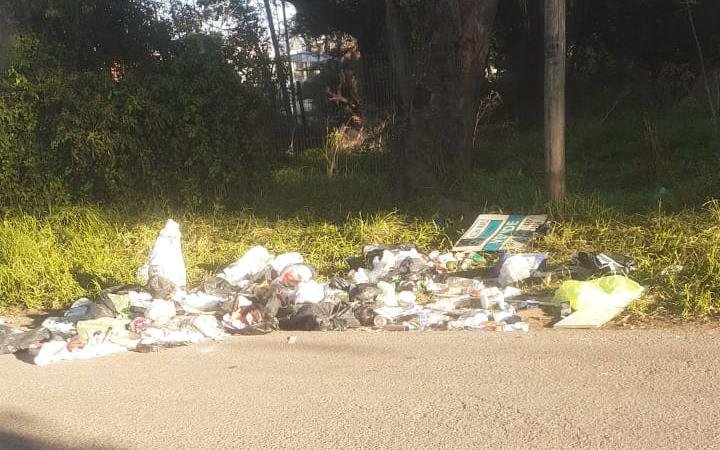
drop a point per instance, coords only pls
(496, 232)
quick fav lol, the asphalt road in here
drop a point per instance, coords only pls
(547, 389)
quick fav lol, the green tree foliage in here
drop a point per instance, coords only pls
(362, 19)
(105, 100)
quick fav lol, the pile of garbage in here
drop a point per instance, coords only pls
(390, 287)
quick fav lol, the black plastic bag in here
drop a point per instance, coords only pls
(105, 306)
(364, 294)
(12, 341)
(322, 316)
(586, 264)
(218, 286)
(377, 251)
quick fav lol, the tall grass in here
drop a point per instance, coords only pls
(46, 263)
(47, 260)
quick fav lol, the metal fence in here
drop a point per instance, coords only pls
(358, 96)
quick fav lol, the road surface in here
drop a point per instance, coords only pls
(546, 389)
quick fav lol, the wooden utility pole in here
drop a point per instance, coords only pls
(555, 99)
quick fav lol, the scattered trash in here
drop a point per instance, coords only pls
(511, 292)
(161, 311)
(209, 326)
(565, 309)
(161, 288)
(393, 287)
(586, 264)
(666, 271)
(53, 351)
(250, 264)
(13, 340)
(492, 297)
(59, 326)
(86, 309)
(458, 285)
(309, 292)
(280, 262)
(108, 329)
(515, 268)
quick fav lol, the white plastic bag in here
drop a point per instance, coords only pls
(310, 292)
(388, 296)
(53, 351)
(249, 264)
(474, 320)
(280, 262)
(406, 298)
(166, 259)
(360, 276)
(492, 297)
(199, 301)
(161, 311)
(209, 326)
(295, 274)
(519, 267)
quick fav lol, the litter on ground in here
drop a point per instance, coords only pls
(394, 287)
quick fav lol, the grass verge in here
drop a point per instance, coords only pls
(666, 217)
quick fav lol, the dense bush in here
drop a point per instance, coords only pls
(127, 122)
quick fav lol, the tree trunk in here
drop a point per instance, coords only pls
(440, 100)
(290, 68)
(282, 79)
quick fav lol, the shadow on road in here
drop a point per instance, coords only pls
(12, 439)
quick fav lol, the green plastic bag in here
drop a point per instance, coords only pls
(612, 291)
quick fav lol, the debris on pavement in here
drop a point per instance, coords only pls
(13, 340)
(390, 287)
(518, 267)
(595, 302)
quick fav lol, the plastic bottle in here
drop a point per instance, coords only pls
(423, 320)
(492, 296)
(565, 309)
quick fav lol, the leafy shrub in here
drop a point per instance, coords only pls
(182, 127)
